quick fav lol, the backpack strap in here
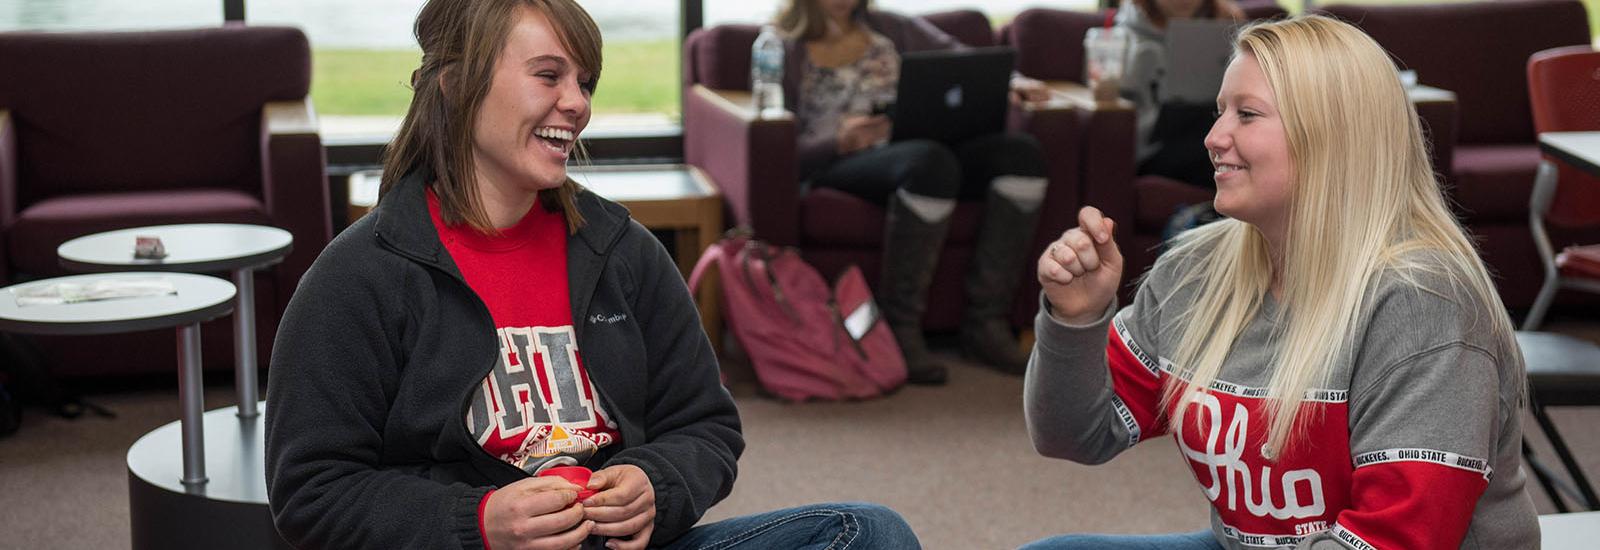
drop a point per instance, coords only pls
(713, 254)
(762, 266)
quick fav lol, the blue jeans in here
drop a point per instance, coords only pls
(832, 526)
(1199, 540)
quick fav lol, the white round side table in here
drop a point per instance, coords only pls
(196, 248)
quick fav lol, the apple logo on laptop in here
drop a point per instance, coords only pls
(952, 98)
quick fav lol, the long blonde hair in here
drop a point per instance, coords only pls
(1364, 196)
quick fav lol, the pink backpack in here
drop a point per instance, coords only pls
(805, 340)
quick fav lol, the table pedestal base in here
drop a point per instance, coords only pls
(228, 511)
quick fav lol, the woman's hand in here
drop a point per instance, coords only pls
(624, 507)
(1080, 271)
(537, 513)
(1028, 90)
(860, 132)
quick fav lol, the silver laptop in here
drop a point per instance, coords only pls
(1198, 51)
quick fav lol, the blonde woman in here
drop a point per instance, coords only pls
(1333, 361)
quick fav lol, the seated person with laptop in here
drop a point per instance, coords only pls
(1178, 53)
(842, 67)
(1172, 117)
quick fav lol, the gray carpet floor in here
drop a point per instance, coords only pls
(954, 460)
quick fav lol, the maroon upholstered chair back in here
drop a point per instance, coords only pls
(971, 27)
(1049, 42)
(1262, 9)
(1478, 50)
(166, 109)
(719, 57)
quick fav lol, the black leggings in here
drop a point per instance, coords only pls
(930, 169)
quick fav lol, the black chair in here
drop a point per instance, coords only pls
(1562, 372)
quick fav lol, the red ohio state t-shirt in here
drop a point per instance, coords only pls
(538, 405)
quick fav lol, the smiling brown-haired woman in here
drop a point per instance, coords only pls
(491, 320)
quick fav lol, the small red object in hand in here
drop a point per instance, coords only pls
(577, 475)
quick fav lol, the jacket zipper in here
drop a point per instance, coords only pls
(463, 401)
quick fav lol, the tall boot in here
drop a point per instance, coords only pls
(911, 248)
(999, 260)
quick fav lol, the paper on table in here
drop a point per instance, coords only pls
(110, 289)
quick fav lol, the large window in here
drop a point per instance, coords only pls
(97, 15)
(363, 54)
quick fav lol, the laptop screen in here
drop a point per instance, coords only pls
(952, 95)
(1198, 51)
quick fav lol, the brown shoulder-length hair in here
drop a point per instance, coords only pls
(1209, 9)
(461, 41)
(804, 20)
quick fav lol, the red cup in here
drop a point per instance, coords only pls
(577, 475)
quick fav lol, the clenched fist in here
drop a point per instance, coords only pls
(1080, 271)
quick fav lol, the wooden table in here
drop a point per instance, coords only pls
(670, 197)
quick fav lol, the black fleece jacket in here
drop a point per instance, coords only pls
(383, 343)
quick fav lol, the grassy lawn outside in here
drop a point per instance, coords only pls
(639, 77)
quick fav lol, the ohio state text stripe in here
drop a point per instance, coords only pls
(1351, 538)
(1442, 458)
(1133, 348)
(1127, 419)
(1259, 540)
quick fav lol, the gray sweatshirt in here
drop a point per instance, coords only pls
(1413, 444)
(1146, 65)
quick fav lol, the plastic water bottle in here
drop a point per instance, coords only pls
(766, 74)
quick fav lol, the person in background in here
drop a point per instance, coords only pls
(1170, 134)
(491, 319)
(842, 66)
(1332, 361)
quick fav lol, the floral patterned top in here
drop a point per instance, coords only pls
(827, 95)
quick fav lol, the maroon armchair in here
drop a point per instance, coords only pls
(753, 162)
(102, 131)
(1049, 45)
(1480, 51)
